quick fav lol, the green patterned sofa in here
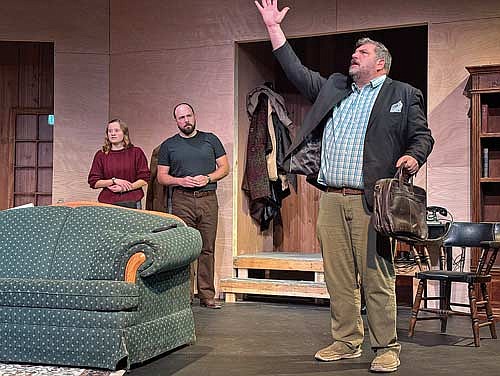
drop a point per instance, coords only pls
(93, 286)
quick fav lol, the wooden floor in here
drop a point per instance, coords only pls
(273, 339)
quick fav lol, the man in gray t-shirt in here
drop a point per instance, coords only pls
(192, 162)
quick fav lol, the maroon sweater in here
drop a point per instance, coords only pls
(129, 164)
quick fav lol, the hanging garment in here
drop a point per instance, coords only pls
(255, 180)
(265, 181)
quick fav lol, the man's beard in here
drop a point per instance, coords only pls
(353, 74)
(188, 129)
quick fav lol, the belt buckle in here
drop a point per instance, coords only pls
(344, 190)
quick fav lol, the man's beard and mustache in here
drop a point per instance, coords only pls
(188, 128)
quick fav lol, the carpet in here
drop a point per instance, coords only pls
(8, 369)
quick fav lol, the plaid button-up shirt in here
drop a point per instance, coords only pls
(344, 137)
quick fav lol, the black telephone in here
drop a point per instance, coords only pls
(432, 212)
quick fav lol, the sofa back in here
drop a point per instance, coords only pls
(58, 242)
(28, 238)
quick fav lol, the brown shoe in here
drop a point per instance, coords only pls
(337, 351)
(387, 361)
(210, 303)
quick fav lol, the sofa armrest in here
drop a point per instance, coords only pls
(164, 250)
(171, 249)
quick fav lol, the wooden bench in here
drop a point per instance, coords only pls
(290, 261)
(287, 261)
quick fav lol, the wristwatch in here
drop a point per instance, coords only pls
(209, 179)
(113, 180)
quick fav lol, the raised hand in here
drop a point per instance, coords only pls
(270, 13)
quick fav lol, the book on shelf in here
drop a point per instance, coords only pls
(484, 118)
(486, 163)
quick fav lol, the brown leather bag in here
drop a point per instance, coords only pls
(399, 209)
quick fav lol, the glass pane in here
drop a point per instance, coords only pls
(25, 154)
(26, 127)
(24, 180)
(45, 130)
(45, 154)
(44, 180)
(44, 200)
(23, 199)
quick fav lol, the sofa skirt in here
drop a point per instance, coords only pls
(95, 347)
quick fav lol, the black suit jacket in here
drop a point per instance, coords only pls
(389, 135)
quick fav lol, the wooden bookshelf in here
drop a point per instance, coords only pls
(484, 93)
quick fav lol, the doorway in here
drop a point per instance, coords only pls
(26, 128)
(255, 64)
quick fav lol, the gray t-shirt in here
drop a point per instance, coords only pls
(191, 156)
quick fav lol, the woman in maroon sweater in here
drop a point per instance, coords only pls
(120, 168)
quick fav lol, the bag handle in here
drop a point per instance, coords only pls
(402, 176)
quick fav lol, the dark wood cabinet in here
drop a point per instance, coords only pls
(484, 92)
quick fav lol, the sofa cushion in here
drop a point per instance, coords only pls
(88, 227)
(69, 294)
(29, 237)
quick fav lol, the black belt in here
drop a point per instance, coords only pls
(345, 190)
(195, 193)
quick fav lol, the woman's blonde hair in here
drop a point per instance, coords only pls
(126, 138)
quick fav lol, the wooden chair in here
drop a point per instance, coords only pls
(461, 234)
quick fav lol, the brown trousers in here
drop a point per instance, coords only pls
(354, 255)
(200, 210)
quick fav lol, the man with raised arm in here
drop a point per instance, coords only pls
(360, 128)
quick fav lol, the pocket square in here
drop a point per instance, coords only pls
(396, 107)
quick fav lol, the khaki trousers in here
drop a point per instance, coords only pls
(201, 212)
(354, 255)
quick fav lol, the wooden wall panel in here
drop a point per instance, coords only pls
(81, 114)
(75, 26)
(300, 209)
(29, 76)
(189, 23)
(452, 47)
(360, 14)
(46, 88)
(146, 86)
(8, 99)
